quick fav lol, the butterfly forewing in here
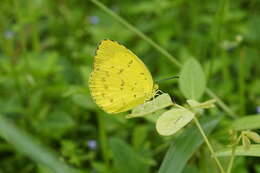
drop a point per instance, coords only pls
(119, 81)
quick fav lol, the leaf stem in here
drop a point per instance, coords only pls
(208, 144)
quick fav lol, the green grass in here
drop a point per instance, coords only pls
(48, 118)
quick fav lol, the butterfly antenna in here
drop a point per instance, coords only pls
(169, 78)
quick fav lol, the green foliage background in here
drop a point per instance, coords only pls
(46, 53)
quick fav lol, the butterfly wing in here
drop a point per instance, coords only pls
(119, 81)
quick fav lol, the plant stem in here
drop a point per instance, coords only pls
(159, 49)
(208, 144)
(232, 158)
(103, 139)
(231, 161)
(241, 83)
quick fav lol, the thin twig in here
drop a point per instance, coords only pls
(208, 144)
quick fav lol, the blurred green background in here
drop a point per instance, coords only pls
(46, 53)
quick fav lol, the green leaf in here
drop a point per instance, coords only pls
(254, 150)
(100, 167)
(44, 169)
(190, 169)
(192, 81)
(246, 142)
(173, 120)
(204, 105)
(247, 123)
(126, 159)
(139, 136)
(83, 101)
(154, 116)
(160, 102)
(252, 135)
(185, 145)
(58, 122)
(28, 146)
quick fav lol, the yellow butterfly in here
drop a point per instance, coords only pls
(119, 81)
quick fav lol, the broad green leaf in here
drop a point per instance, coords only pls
(191, 169)
(28, 146)
(154, 116)
(192, 80)
(173, 120)
(160, 102)
(126, 159)
(139, 136)
(185, 145)
(247, 123)
(254, 150)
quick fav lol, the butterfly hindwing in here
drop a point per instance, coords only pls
(120, 80)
